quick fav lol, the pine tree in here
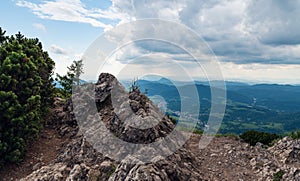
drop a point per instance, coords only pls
(72, 78)
(26, 91)
(3, 38)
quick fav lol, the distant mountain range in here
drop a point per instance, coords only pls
(263, 107)
(57, 84)
(282, 98)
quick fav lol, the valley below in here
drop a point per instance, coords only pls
(263, 107)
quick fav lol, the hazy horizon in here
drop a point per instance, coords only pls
(254, 41)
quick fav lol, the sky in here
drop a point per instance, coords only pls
(253, 40)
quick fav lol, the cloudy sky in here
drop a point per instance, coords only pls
(254, 40)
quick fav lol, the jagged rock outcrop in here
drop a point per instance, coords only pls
(284, 157)
(123, 115)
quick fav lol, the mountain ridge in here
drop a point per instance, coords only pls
(225, 158)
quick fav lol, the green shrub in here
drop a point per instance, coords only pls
(174, 120)
(26, 92)
(197, 131)
(278, 175)
(252, 137)
(295, 134)
(111, 171)
(72, 78)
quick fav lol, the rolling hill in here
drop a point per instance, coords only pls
(262, 107)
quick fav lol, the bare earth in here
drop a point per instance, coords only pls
(41, 152)
(225, 157)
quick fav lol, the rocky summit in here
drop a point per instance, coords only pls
(133, 118)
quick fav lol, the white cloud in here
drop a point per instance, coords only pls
(140, 9)
(261, 73)
(242, 33)
(61, 63)
(58, 50)
(275, 22)
(40, 26)
(72, 11)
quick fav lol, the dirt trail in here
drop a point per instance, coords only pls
(225, 158)
(41, 152)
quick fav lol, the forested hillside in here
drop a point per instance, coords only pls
(262, 107)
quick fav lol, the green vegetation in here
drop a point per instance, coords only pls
(278, 175)
(295, 134)
(229, 135)
(70, 79)
(111, 171)
(252, 137)
(173, 119)
(266, 108)
(26, 93)
(134, 85)
(199, 132)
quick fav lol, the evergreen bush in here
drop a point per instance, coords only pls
(26, 92)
